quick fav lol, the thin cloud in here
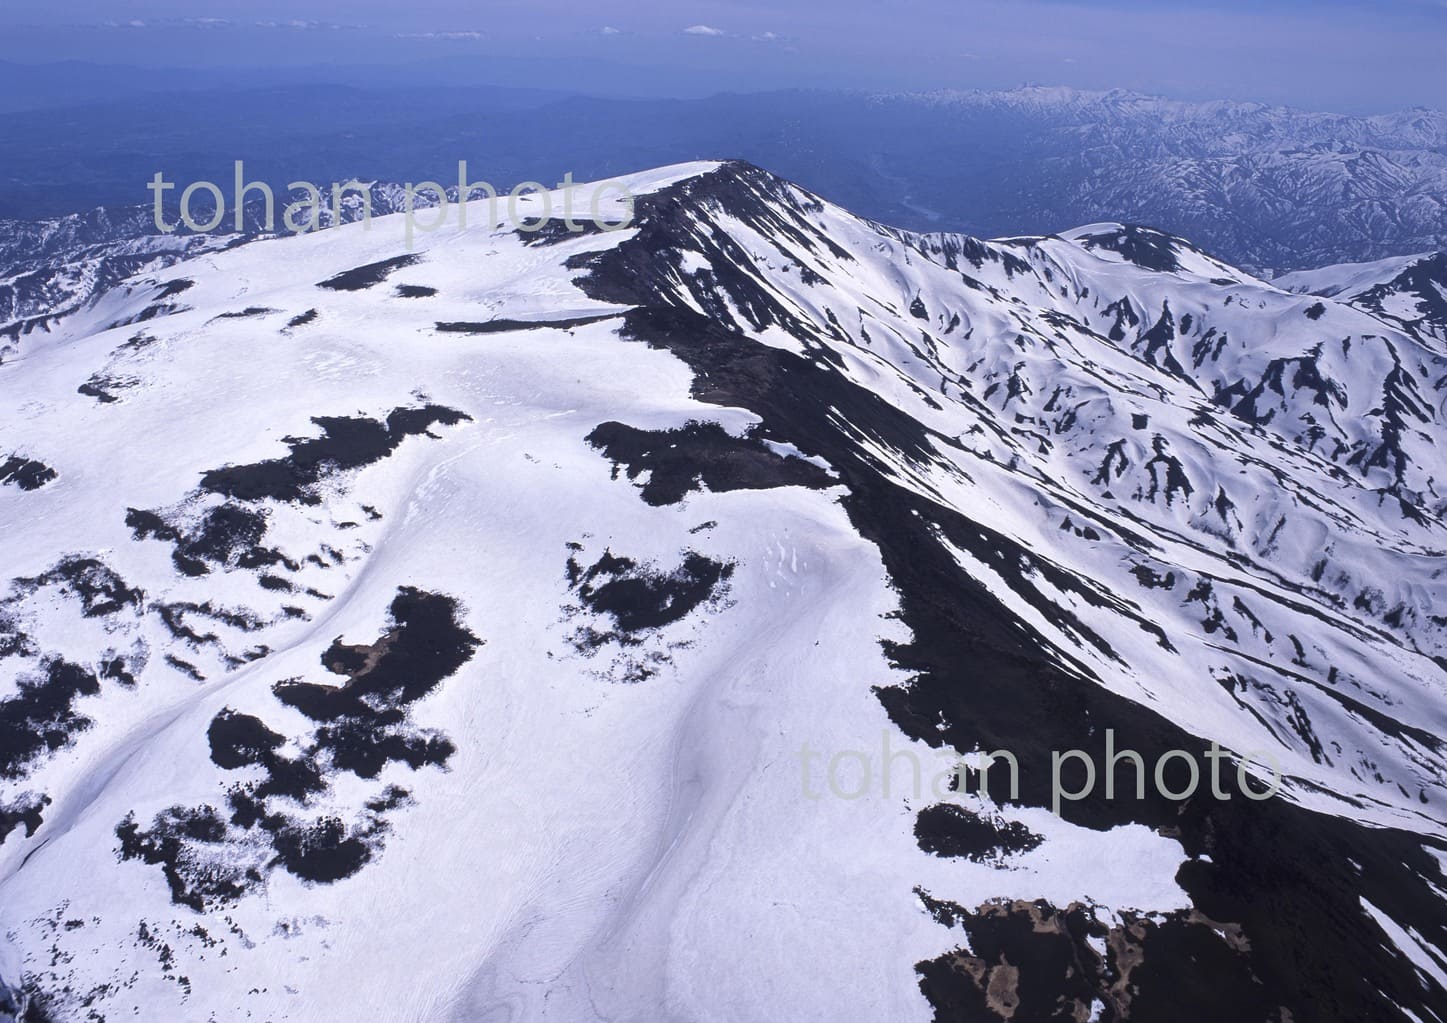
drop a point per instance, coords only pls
(302, 25)
(443, 35)
(704, 30)
(609, 30)
(211, 24)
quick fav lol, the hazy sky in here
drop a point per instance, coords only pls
(1319, 54)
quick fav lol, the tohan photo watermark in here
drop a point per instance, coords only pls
(852, 774)
(304, 214)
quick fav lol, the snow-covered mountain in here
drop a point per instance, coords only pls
(1410, 292)
(565, 626)
(1268, 187)
(51, 268)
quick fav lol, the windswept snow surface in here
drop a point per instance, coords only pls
(474, 638)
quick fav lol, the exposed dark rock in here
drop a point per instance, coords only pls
(211, 858)
(25, 473)
(679, 461)
(948, 830)
(346, 443)
(1292, 881)
(371, 274)
(502, 325)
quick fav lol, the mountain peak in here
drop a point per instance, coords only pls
(343, 573)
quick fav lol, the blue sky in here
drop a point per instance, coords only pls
(1352, 57)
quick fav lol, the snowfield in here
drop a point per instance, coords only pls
(433, 633)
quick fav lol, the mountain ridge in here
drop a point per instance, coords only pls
(667, 502)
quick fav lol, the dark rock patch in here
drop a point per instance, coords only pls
(239, 740)
(41, 717)
(502, 325)
(678, 461)
(99, 588)
(624, 607)
(190, 845)
(1151, 579)
(284, 814)
(13, 640)
(226, 535)
(175, 616)
(1142, 246)
(24, 811)
(415, 291)
(136, 343)
(346, 443)
(172, 288)
(555, 230)
(326, 850)
(641, 598)
(103, 387)
(952, 831)
(185, 668)
(1034, 961)
(26, 473)
(371, 274)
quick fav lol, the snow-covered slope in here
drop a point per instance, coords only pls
(49, 269)
(547, 626)
(54, 267)
(1410, 292)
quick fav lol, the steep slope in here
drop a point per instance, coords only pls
(590, 625)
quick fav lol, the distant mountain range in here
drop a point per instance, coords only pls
(1266, 188)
